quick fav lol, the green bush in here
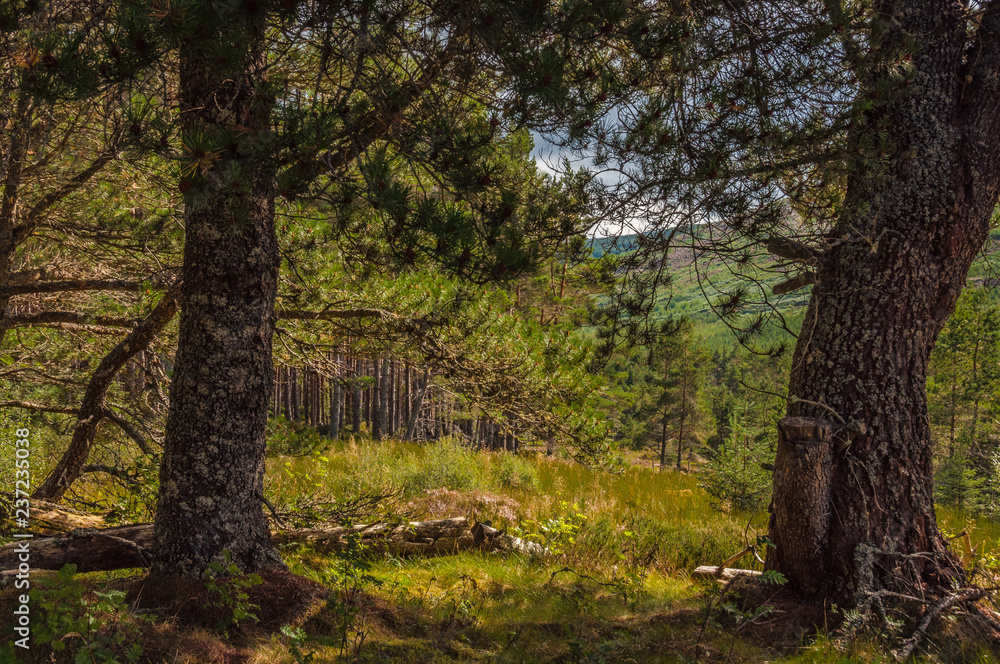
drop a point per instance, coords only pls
(74, 625)
(291, 438)
(514, 472)
(956, 484)
(371, 468)
(446, 465)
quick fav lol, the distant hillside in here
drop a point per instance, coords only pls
(686, 298)
(613, 245)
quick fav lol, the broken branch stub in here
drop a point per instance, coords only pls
(800, 510)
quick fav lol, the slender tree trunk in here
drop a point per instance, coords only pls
(335, 402)
(304, 395)
(369, 395)
(954, 415)
(387, 376)
(562, 277)
(378, 398)
(275, 395)
(663, 440)
(680, 426)
(287, 391)
(314, 399)
(319, 387)
(411, 426)
(93, 408)
(974, 448)
(356, 400)
(408, 398)
(212, 472)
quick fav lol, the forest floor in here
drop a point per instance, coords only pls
(616, 586)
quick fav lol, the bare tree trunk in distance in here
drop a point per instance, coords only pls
(680, 426)
(663, 440)
(385, 404)
(335, 403)
(356, 400)
(411, 426)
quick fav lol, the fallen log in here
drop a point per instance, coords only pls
(93, 550)
(715, 573)
(48, 518)
(90, 549)
(441, 536)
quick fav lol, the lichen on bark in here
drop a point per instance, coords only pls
(211, 475)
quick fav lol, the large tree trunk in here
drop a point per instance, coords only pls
(887, 281)
(211, 476)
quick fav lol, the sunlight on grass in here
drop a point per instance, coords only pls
(531, 496)
(616, 588)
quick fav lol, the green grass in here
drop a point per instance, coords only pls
(528, 494)
(475, 607)
(616, 589)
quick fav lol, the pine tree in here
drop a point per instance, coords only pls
(352, 142)
(853, 141)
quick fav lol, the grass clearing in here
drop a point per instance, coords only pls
(617, 588)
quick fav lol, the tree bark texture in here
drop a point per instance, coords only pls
(847, 512)
(211, 475)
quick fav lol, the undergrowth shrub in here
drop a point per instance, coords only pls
(738, 476)
(370, 468)
(445, 464)
(227, 588)
(135, 501)
(373, 467)
(514, 472)
(956, 484)
(74, 625)
(292, 438)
